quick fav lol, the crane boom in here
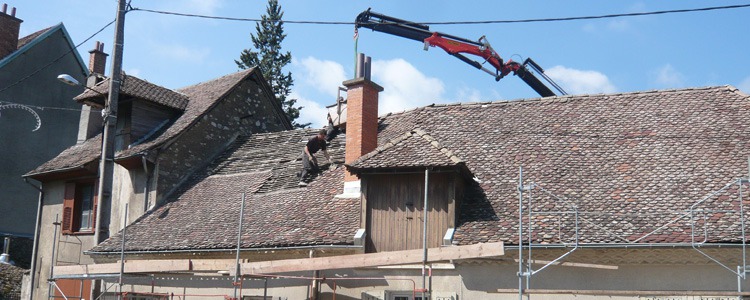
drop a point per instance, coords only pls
(460, 47)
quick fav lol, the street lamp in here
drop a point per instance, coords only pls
(69, 80)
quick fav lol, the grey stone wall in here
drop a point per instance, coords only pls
(246, 109)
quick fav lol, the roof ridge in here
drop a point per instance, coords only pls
(416, 132)
(214, 79)
(555, 99)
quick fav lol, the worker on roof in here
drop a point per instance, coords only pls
(309, 162)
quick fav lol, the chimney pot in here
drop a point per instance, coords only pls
(97, 59)
(362, 115)
(10, 27)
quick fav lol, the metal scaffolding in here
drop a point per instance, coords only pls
(698, 215)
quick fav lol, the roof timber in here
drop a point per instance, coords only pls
(288, 265)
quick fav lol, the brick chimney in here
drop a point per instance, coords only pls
(90, 122)
(97, 59)
(361, 119)
(10, 27)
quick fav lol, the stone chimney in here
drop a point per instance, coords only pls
(10, 27)
(97, 59)
(361, 119)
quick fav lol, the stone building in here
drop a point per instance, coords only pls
(626, 196)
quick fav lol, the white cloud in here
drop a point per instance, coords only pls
(323, 75)
(745, 85)
(133, 72)
(312, 112)
(467, 94)
(181, 52)
(576, 81)
(667, 76)
(404, 86)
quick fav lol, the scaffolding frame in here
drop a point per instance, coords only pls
(525, 271)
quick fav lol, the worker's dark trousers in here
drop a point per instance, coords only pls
(308, 165)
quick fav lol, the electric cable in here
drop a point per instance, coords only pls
(3, 102)
(660, 12)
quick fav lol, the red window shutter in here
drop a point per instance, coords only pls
(69, 207)
(96, 203)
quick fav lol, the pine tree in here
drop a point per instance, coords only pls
(268, 56)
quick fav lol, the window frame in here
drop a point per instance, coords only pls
(73, 207)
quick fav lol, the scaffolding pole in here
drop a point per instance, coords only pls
(122, 252)
(239, 243)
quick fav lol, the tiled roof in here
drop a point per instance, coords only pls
(27, 39)
(631, 163)
(415, 148)
(205, 214)
(139, 88)
(202, 97)
(74, 157)
(278, 152)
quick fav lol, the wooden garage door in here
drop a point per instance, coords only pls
(395, 210)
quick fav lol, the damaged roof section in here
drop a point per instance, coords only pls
(204, 214)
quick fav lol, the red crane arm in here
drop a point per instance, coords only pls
(485, 51)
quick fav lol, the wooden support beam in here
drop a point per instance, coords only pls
(574, 264)
(373, 259)
(149, 266)
(289, 265)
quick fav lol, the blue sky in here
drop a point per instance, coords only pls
(588, 56)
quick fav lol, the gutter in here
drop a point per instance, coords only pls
(81, 167)
(37, 230)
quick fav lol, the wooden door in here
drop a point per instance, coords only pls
(394, 213)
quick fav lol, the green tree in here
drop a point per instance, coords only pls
(268, 56)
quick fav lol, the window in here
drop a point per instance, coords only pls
(79, 207)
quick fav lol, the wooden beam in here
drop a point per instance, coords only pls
(372, 259)
(289, 265)
(149, 266)
(574, 264)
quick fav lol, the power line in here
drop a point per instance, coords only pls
(47, 66)
(45, 107)
(54, 61)
(660, 12)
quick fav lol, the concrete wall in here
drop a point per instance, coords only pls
(129, 188)
(22, 149)
(68, 248)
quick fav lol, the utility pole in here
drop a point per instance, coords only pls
(107, 159)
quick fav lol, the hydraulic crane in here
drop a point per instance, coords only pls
(458, 46)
